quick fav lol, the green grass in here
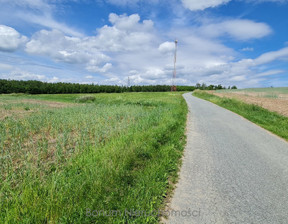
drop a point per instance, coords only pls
(120, 152)
(271, 121)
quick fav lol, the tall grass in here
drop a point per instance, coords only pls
(269, 120)
(118, 153)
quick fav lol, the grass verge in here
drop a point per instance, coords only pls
(269, 120)
(110, 161)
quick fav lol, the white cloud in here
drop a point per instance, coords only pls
(123, 2)
(89, 77)
(47, 21)
(268, 57)
(5, 67)
(245, 29)
(127, 33)
(238, 78)
(54, 79)
(23, 75)
(95, 68)
(32, 4)
(10, 39)
(247, 49)
(269, 73)
(129, 46)
(202, 4)
(167, 47)
(238, 29)
(261, 1)
(243, 73)
(39, 12)
(195, 5)
(154, 74)
(55, 45)
(130, 3)
(61, 48)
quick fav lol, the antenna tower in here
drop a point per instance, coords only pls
(173, 87)
(128, 84)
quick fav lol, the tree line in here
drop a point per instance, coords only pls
(38, 87)
(203, 86)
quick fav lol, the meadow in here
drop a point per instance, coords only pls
(63, 161)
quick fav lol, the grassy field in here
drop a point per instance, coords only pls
(269, 120)
(108, 161)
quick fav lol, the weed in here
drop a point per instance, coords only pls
(8, 107)
(114, 154)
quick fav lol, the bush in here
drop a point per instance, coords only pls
(85, 99)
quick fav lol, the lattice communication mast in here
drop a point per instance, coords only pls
(173, 87)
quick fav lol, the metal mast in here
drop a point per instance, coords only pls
(128, 84)
(173, 87)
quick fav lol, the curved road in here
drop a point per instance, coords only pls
(233, 171)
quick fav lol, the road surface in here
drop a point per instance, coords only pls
(233, 171)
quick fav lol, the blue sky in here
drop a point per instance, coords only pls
(228, 42)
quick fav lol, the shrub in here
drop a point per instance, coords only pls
(85, 99)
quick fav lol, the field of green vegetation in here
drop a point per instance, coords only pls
(262, 92)
(109, 160)
(269, 120)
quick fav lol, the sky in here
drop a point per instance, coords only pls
(228, 42)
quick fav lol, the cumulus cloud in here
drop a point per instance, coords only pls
(195, 5)
(56, 45)
(244, 73)
(129, 46)
(166, 47)
(154, 74)
(61, 48)
(127, 33)
(95, 68)
(10, 39)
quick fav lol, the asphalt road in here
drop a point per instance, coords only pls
(233, 171)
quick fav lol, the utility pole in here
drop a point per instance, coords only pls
(173, 87)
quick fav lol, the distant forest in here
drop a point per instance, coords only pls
(38, 87)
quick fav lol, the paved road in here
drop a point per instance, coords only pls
(233, 171)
